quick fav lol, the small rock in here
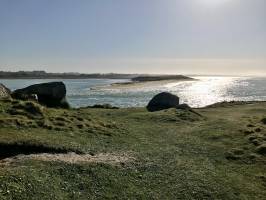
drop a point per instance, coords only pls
(183, 106)
(4, 92)
(104, 106)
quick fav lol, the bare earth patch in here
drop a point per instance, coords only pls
(72, 158)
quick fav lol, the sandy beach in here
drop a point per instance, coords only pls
(137, 85)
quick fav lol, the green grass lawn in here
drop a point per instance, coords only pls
(219, 153)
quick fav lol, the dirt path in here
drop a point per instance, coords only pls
(73, 158)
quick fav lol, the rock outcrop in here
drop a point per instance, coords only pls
(4, 92)
(103, 106)
(163, 101)
(51, 94)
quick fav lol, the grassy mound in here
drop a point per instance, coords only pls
(208, 153)
(30, 109)
(28, 114)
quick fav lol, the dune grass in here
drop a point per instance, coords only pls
(219, 154)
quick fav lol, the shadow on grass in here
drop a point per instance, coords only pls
(13, 149)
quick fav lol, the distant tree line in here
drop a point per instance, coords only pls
(45, 75)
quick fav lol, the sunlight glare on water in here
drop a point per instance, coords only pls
(204, 91)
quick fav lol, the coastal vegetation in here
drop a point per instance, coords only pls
(66, 75)
(160, 78)
(217, 152)
(46, 75)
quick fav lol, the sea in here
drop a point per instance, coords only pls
(205, 90)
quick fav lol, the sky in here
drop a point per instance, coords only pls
(134, 36)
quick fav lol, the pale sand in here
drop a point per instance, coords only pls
(73, 158)
(137, 85)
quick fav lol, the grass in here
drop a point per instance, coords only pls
(178, 154)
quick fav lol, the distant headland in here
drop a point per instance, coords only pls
(47, 75)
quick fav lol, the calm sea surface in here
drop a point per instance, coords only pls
(205, 91)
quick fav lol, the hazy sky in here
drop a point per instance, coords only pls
(143, 36)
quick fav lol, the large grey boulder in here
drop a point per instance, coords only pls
(4, 92)
(163, 101)
(51, 94)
